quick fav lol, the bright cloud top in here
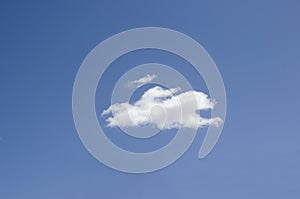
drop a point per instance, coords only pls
(163, 109)
(144, 80)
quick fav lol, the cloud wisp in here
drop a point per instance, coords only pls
(163, 109)
(140, 82)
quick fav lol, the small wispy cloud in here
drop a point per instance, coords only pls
(163, 109)
(140, 82)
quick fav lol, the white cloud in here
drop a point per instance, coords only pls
(144, 80)
(164, 109)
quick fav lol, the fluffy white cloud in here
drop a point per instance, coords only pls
(144, 80)
(164, 109)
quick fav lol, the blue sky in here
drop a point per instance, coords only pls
(255, 45)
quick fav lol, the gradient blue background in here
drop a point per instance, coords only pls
(256, 47)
